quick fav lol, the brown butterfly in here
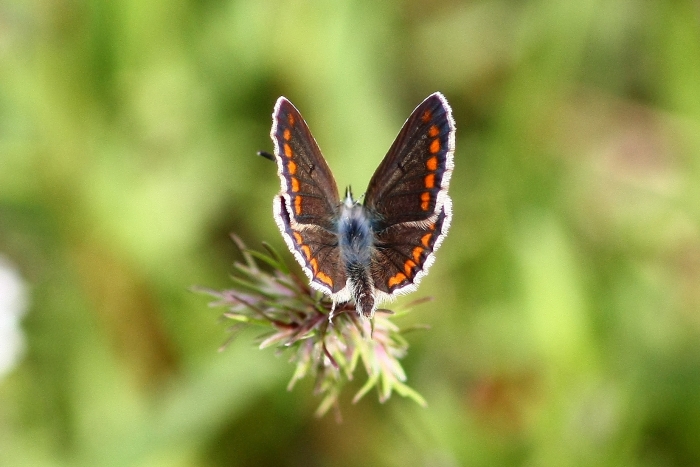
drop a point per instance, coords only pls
(373, 251)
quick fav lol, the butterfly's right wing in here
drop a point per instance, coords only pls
(410, 184)
(407, 197)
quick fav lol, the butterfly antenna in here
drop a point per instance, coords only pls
(348, 197)
(266, 155)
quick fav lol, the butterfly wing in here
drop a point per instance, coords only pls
(403, 253)
(307, 182)
(407, 197)
(307, 207)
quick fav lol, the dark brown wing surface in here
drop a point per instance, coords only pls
(307, 207)
(407, 197)
(411, 182)
(306, 180)
(403, 254)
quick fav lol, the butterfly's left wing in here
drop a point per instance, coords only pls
(306, 209)
(307, 182)
(407, 197)
(316, 250)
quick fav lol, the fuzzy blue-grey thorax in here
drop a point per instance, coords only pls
(355, 240)
(354, 233)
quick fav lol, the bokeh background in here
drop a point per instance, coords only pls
(566, 325)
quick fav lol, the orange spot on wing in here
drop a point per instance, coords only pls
(288, 150)
(295, 184)
(288, 134)
(292, 167)
(408, 267)
(297, 205)
(290, 119)
(324, 278)
(431, 164)
(430, 181)
(427, 115)
(297, 237)
(306, 250)
(417, 252)
(433, 132)
(396, 279)
(314, 265)
(425, 201)
(425, 239)
(435, 146)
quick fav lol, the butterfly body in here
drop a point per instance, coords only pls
(373, 251)
(356, 245)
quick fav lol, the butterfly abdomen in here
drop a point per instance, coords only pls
(362, 289)
(355, 239)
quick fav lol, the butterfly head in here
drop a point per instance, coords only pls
(349, 201)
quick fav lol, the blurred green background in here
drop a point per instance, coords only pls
(566, 325)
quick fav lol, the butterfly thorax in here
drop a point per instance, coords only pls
(355, 240)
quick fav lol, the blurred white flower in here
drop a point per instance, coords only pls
(13, 304)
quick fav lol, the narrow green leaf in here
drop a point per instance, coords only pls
(405, 391)
(371, 382)
(326, 404)
(251, 287)
(267, 260)
(283, 266)
(244, 251)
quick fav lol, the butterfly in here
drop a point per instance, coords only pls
(372, 251)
